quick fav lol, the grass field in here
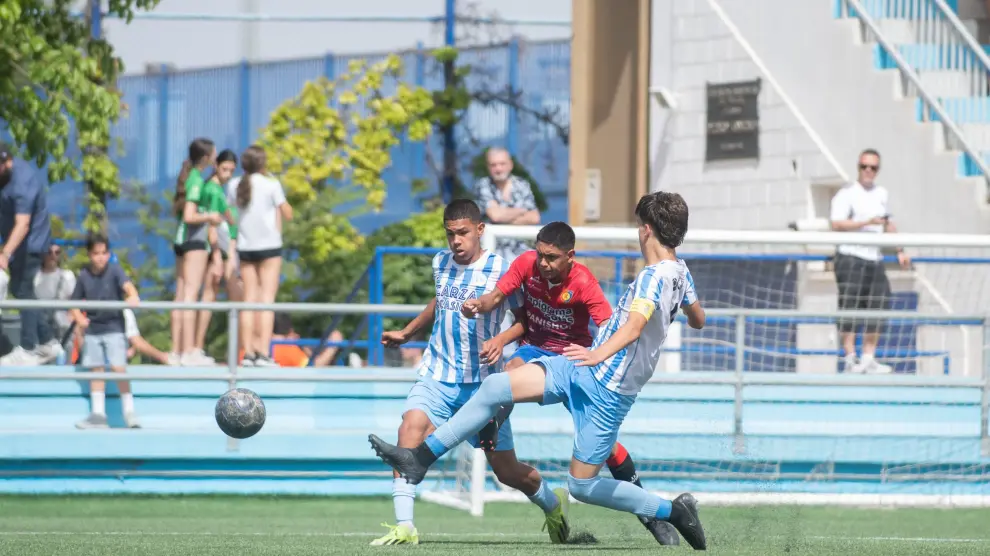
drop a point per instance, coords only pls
(196, 526)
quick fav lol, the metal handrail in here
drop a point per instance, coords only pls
(961, 32)
(915, 80)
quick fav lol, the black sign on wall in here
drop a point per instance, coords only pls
(733, 121)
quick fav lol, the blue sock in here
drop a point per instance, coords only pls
(619, 495)
(544, 498)
(473, 416)
(403, 497)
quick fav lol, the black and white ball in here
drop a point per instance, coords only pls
(240, 413)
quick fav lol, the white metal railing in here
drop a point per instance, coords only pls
(951, 47)
(738, 379)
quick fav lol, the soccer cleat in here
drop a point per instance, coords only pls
(684, 516)
(397, 534)
(402, 460)
(662, 531)
(488, 436)
(555, 523)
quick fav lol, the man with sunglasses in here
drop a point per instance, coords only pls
(25, 230)
(859, 269)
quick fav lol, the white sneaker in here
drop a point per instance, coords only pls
(172, 359)
(46, 353)
(264, 361)
(871, 366)
(203, 358)
(20, 357)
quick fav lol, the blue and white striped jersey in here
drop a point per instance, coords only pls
(455, 343)
(657, 294)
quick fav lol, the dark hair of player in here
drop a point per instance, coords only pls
(460, 209)
(94, 239)
(226, 155)
(558, 234)
(666, 214)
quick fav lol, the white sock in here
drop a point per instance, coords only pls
(127, 403)
(99, 401)
(866, 359)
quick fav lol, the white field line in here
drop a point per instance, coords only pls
(492, 535)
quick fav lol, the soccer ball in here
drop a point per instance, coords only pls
(240, 413)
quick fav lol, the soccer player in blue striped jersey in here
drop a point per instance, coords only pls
(597, 385)
(454, 367)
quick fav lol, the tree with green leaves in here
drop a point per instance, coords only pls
(57, 88)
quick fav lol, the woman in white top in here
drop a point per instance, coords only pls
(262, 208)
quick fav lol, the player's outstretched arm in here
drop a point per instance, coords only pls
(491, 350)
(695, 314)
(625, 335)
(394, 338)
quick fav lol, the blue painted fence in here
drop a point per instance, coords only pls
(230, 104)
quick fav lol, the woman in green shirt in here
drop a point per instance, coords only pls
(222, 239)
(191, 254)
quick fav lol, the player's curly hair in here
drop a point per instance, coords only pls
(666, 214)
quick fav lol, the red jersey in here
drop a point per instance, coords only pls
(556, 315)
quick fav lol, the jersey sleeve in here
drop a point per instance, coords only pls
(518, 272)
(841, 206)
(194, 188)
(594, 299)
(647, 293)
(690, 295)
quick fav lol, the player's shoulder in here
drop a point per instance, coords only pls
(581, 276)
(442, 258)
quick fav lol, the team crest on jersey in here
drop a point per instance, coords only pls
(566, 296)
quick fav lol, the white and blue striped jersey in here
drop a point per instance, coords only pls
(452, 355)
(657, 294)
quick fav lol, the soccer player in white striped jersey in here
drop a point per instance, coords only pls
(598, 385)
(454, 366)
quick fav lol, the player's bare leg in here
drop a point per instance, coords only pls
(415, 427)
(586, 486)
(621, 466)
(521, 385)
(514, 474)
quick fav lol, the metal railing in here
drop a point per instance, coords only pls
(739, 379)
(945, 45)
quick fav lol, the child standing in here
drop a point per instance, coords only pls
(104, 342)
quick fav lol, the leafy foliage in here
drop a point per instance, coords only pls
(313, 145)
(52, 73)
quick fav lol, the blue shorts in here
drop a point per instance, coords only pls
(441, 400)
(527, 353)
(104, 349)
(597, 411)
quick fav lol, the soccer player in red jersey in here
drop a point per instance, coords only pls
(561, 298)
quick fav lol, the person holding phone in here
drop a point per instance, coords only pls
(859, 269)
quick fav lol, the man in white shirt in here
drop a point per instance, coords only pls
(859, 269)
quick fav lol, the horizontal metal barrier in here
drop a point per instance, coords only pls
(739, 380)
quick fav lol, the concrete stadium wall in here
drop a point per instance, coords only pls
(315, 440)
(824, 66)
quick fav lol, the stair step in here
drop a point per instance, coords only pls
(929, 57)
(885, 9)
(962, 110)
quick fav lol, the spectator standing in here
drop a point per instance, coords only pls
(55, 283)
(859, 269)
(191, 248)
(506, 199)
(25, 229)
(220, 239)
(262, 209)
(104, 339)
